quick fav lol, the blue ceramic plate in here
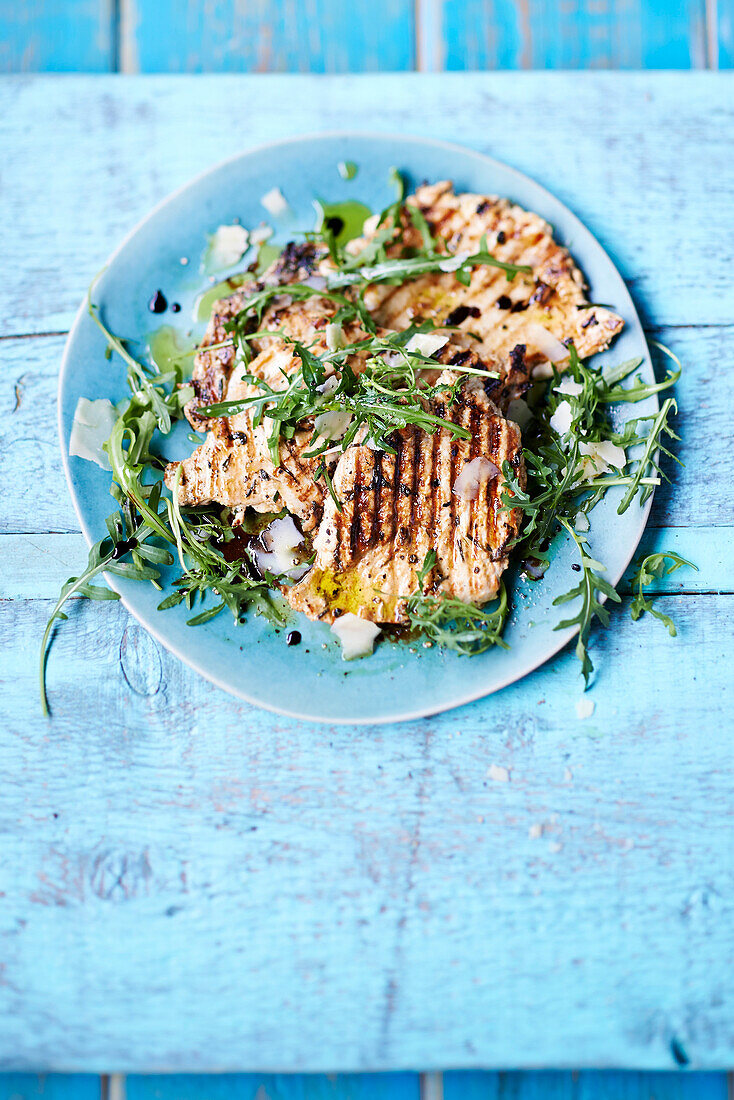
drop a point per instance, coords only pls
(252, 660)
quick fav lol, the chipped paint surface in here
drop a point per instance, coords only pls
(367, 898)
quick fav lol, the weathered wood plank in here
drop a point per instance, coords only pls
(589, 1085)
(321, 36)
(53, 1086)
(590, 34)
(29, 447)
(276, 873)
(35, 566)
(723, 29)
(56, 36)
(658, 167)
(273, 1086)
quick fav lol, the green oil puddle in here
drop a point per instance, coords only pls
(170, 349)
(345, 218)
(204, 302)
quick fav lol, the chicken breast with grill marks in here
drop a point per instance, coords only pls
(212, 368)
(396, 508)
(502, 312)
(234, 466)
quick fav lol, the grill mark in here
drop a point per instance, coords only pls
(475, 449)
(494, 433)
(287, 445)
(356, 509)
(385, 302)
(480, 527)
(396, 481)
(432, 471)
(443, 220)
(377, 482)
(413, 485)
(453, 474)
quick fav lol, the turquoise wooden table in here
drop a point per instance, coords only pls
(191, 884)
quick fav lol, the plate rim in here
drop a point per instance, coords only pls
(564, 636)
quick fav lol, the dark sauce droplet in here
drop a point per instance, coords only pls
(175, 307)
(334, 223)
(158, 303)
(293, 638)
(122, 547)
(576, 567)
(503, 302)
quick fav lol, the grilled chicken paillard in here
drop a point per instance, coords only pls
(503, 314)
(376, 505)
(215, 359)
(433, 493)
(234, 466)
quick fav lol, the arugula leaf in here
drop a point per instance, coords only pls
(454, 624)
(590, 590)
(105, 555)
(650, 569)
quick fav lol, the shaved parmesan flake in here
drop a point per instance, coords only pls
(275, 202)
(562, 418)
(356, 635)
(600, 457)
(227, 246)
(329, 385)
(585, 707)
(545, 342)
(276, 550)
(334, 337)
(569, 387)
(473, 475)
(93, 424)
(261, 234)
(453, 263)
(543, 370)
(426, 343)
(520, 412)
(333, 424)
(370, 225)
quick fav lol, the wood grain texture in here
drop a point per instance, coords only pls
(594, 1085)
(187, 882)
(543, 34)
(585, 1086)
(316, 36)
(657, 131)
(386, 1086)
(57, 36)
(328, 36)
(53, 1086)
(266, 869)
(722, 32)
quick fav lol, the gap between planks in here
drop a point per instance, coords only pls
(431, 1086)
(112, 1086)
(712, 56)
